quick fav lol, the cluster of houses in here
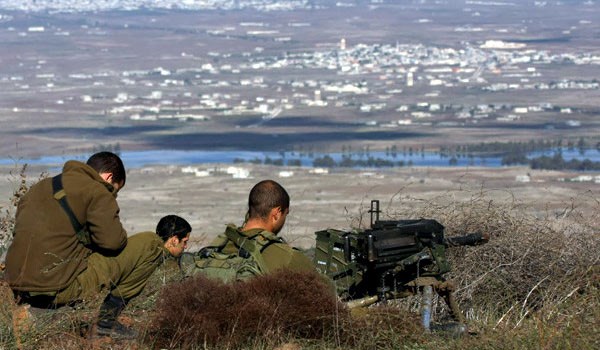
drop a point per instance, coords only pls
(579, 178)
(583, 178)
(365, 78)
(370, 80)
(238, 172)
(129, 5)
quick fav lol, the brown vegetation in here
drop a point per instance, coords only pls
(535, 285)
(532, 262)
(7, 214)
(538, 279)
(266, 309)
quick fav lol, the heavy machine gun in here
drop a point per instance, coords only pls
(391, 260)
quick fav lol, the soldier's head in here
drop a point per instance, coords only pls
(175, 232)
(269, 202)
(110, 167)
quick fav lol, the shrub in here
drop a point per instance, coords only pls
(268, 308)
(534, 262)
(7, 215)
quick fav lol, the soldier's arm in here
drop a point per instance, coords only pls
(300, 261)
(104, 223)
(281, 255)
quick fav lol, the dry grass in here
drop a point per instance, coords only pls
(537, 279)
(532, 263)
(57, 329)
(19, 179)
(535, 285)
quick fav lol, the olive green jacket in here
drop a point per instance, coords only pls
(276, 253)
(45, 254)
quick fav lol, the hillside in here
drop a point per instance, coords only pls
(534, 285)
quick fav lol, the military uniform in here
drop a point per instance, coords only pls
(46, 257)
(125, 274)
(275, 252)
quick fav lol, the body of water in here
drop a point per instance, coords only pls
(139, 159)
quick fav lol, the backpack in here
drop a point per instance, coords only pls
(213, 263)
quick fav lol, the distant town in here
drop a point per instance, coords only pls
(274, 80)
(507, 67)
(131, 5)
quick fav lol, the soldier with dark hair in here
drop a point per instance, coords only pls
(265, 196)
(69, 243)
(144, 252)
(109, 163)
(268, 207)
(173, 226)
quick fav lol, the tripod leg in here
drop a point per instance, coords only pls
(455, 311)
(446, 290)
(426, 304)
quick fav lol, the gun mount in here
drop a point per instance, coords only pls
(390, 260)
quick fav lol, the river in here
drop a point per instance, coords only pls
(140, 159)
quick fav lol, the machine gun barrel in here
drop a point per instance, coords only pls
(471, 239)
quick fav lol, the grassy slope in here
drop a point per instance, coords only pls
(535, 285)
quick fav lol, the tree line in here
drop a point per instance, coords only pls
(511, 153)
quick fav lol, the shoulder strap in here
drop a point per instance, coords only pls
(216, 245)
(248, 244)
(268, 239)
(61, 196)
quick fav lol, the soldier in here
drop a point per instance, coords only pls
(268, 207)
(69, 243)
(144, 252)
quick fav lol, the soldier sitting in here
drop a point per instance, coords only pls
(254, 248)
(69, 244)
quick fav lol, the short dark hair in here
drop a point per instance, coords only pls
(108, 162)
(265, 196)
(172, 225)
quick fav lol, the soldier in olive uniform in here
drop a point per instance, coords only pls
(69, 243)
(268, 207)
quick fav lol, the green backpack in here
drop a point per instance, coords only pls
(213, 263)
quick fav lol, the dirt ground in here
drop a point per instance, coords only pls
(339, 199)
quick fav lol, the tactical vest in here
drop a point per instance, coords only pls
(212, 262)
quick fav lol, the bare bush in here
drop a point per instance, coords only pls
(7, 218)
(266, 309)
(7, 214)
(535, 260)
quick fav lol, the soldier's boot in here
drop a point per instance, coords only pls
(108, 324)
